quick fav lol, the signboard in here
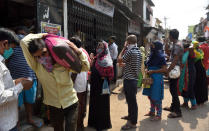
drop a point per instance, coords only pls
(50, 11)
(102, 6)
(134, 27)
(50, 28)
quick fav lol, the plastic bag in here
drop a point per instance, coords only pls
(105, 87)
(139, 83)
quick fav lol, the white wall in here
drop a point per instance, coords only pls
(144, 10)
(150, 22)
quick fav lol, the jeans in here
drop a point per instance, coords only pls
(175, 105)
(130, 88)
(69, 114)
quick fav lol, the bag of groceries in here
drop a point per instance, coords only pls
(62, 53)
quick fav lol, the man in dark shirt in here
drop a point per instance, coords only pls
(175, 59)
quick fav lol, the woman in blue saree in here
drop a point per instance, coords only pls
(156, 65)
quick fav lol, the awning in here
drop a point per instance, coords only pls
(150, 3)
(26, 2)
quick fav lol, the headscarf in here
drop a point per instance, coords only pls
(104, 62)
(199, 54)
(142, 49)
(195, 44)
(157, 57)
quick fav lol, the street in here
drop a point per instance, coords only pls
(192, 120)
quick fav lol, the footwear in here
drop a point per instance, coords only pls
(125, 118)
(174, 115)
(167, 109)
(114, 92)
(201, 104)
(128, 127)
(194, 107)
(150, 114)
(36, 124)
(185, 105)
(156, 118)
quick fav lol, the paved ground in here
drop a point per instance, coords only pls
(192, 120)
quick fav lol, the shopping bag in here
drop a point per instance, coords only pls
(62, 53)
(147, 81)
(140, 78)
(105, 87)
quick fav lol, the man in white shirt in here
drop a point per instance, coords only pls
(80, 84)
(113, 48)
(9, 89)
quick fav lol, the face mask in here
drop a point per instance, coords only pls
(130, 46)
(8, 53)
(47, 62)
(99, 51)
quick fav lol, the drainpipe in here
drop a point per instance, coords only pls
(65, 19)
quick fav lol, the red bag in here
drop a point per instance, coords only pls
(62, 53)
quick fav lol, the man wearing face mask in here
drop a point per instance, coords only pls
(9, 89)
(57, 84)
(18, 68)
(131, 56)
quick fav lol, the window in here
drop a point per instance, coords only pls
(147, 14)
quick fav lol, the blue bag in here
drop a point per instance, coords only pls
(105, 87)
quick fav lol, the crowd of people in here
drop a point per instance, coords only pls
(26, 60)
(187, 72)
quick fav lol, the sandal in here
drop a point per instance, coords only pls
(128, 127)
(167, 109)
(194, 107)
(125, 118)
(174, 115)
(150, 114)
(156, 118)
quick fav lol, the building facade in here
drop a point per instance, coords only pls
(90, 19)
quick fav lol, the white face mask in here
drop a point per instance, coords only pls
(131, 46)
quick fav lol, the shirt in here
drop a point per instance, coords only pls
(132, 59)
(81, 78)
(57, 85)
(113, 48)
(81, 82)
(177, 49)
(8, 99)
(18, 66)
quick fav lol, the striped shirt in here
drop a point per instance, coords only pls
(18, 66)
(132, 59)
